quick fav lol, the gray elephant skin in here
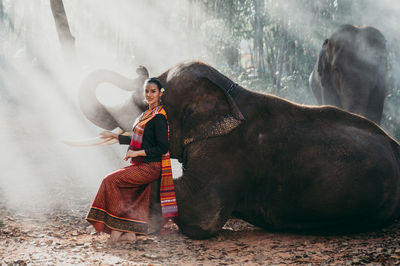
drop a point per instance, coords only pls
(271, 162)
(351, 71)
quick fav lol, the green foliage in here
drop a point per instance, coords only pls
(296, 89)
(2, 223)
(218, 41)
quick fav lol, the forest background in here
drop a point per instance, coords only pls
(264, 45)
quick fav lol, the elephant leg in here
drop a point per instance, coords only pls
(375, 105)
(315, 87)
(155, 207)
(201, 211)
(204, 193)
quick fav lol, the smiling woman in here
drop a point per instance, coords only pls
(121, 206)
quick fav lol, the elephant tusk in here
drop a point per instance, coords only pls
(96, 141)
(119, 131)
(109, 142)
(88, 142)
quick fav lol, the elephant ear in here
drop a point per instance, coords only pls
(324, 65)
(323, 58)
(211, 112)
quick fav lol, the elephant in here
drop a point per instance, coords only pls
(351, 71)
(101, 115)
(271, 162)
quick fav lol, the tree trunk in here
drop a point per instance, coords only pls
(259, 32)
(232, 49)
(1, 11)
(252, 62)
(217, 8)
(271, 61)
(281, 58)
(190, 24)
(11, 18)
(280, 69)
(255, 56)
(64, 34)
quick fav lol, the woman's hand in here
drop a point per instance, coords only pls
(108, 135)
(133, 154)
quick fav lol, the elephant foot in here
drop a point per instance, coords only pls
(196, 232)
(202, 221)
(201, 229)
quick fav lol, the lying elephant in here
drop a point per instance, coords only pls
(273, 163)
(352, 71)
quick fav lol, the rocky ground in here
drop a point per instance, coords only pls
(64, 237)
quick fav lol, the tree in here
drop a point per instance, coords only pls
(258, 26)
(64, 34)
(1, 11)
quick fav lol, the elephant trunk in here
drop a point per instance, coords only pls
(95, 111)
(315, 86)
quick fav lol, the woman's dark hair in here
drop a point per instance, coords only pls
(154, 81)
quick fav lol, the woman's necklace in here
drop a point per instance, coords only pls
(152, 108)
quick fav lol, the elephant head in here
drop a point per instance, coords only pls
(351, 71)
(198, 105)
(114, 116)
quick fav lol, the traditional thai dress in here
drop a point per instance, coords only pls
(123, 199)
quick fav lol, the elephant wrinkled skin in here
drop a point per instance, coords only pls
(351, 71)
(271, 162)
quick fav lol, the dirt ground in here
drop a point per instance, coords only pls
(64, 237)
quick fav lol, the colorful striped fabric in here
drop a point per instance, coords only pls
(169, 207)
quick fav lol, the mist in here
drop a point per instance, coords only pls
(39, 83)
(39, 97)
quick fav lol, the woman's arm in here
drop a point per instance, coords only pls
(132, 154)
(122, 139)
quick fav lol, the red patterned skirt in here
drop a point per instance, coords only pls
(123, 199)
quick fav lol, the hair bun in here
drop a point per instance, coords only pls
(154, 81)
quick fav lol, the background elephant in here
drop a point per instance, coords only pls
(352, 71)
(273, 163)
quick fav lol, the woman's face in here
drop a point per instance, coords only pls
(152, 94)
